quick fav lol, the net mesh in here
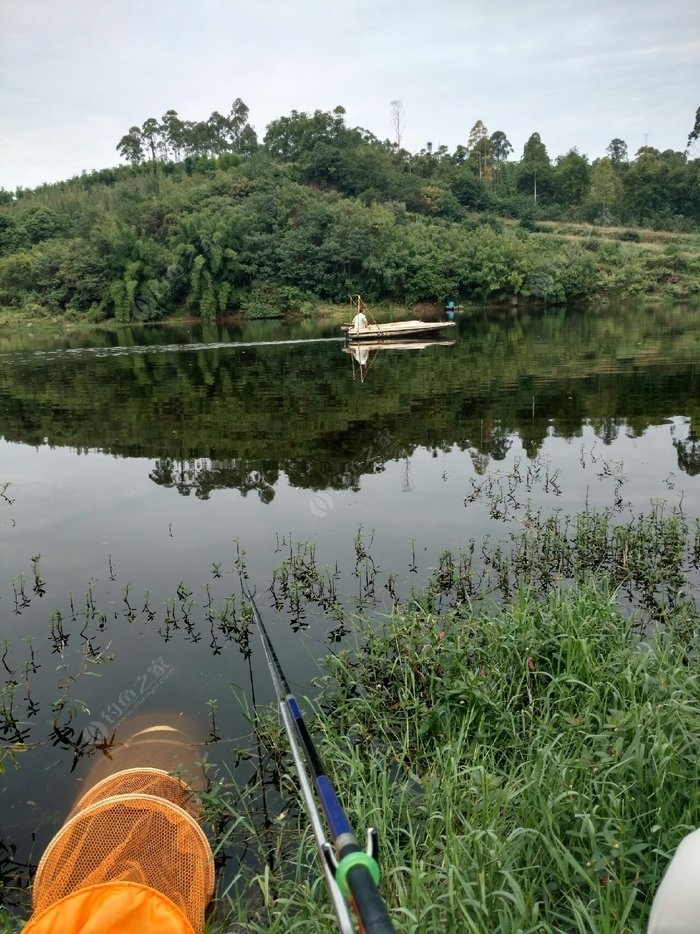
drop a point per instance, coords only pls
(135, 825)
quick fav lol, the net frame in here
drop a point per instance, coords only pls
(130, 837)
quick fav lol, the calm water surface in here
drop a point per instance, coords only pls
(139, 463)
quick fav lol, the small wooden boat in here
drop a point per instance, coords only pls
(362, 330)
(395, 330)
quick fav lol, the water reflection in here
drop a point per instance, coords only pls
(239, 414)
(688, 450)
(364, 353)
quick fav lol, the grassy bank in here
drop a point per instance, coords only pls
(531, 770)
(42, 319)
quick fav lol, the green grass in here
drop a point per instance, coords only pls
(529, 770)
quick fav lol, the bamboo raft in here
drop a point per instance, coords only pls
(392, 330)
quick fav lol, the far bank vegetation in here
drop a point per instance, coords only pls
(207, 220)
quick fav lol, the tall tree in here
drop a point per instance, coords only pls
(571, 178)
(218, 127)
(479, 149)
(500, 146)
(646, 185)
(535, 168)
(172, 137)
(476, 134)
(173, 133)
(239, 136)
(152, 133)
(130, 146)
(197, 138)
(605, 189)
(617, 153)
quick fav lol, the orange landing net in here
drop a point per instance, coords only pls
(131, 856)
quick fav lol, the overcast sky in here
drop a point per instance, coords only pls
(76, 74)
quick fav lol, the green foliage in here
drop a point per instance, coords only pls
(204, 217)
(571, 178)
(528, 221)
(605, 191)
(175, 139)
(61, 275)
(535, 177)
(41, 223)
(267, 300)
(471, 192)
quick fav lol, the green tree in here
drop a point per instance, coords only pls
(618, 155)
(471, 192)
(320, 145)
(12, 235)
(296, 136)
(535, 169)
(173, 129)
(207, 268)
(172, 137)
(479, 152)
(217, 131)
(655, 186)
(198, 140)
(571, 177)
(500, 146)
(130, 146)
(460, 155)
(240, 135)
(605, 190)
(476, 134)
(151, 133)
(42, 223)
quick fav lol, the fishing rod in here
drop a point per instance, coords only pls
(351, 872)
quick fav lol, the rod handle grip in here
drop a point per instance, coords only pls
(369, 907)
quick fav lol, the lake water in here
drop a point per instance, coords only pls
(141, 463)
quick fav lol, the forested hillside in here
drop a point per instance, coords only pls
(206, 219)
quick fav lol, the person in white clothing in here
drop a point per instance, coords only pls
(359, 322)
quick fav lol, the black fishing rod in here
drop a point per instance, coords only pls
(351, 872)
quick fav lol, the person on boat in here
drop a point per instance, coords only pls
(359, 322)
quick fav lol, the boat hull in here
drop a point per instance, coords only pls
(395, 330)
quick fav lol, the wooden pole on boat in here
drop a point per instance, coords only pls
(356, 301)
